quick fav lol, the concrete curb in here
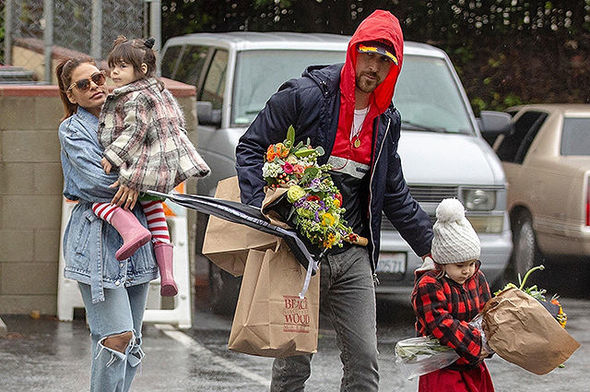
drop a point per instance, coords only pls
(3, 329)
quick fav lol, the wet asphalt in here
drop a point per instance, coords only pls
(48, 355)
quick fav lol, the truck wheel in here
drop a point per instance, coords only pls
(224, 289)
(525, 253)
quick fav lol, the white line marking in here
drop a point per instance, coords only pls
(208, 356)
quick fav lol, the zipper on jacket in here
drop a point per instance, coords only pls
(374, 263)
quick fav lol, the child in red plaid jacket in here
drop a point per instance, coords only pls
(142, 130)
(450, 290)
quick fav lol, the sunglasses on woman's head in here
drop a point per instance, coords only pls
(84, 84)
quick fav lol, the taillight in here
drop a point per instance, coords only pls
(587, 201)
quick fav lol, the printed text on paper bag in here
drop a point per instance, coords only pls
(296, 314)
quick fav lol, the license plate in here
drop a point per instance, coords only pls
(392, 263)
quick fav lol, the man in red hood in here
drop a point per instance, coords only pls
(348, 110)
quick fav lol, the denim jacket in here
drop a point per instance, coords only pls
(89, 243)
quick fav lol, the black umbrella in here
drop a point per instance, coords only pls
(244, 214)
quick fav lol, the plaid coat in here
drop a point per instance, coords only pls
(141, 128)
(444, 308)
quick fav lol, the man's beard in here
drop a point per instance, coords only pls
(367, 85)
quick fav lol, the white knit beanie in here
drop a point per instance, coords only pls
(454, 240)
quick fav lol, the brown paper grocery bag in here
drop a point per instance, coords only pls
(270, 319)
(226, 243)
(523, 332)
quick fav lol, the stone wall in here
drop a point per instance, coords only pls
(30, 193)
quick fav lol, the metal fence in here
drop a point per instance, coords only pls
(36, 31)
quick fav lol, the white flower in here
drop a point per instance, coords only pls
(271, 169)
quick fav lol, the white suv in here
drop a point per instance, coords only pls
(442, 151)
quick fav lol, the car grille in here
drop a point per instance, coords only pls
(432, 194)
(425, 194)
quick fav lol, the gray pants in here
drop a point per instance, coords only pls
(347, 297)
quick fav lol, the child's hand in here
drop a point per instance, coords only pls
(125, 196)
(486, 351)
(106, 165)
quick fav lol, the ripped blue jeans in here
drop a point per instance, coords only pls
(120, 312)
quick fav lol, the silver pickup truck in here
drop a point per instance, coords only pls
(442, 151)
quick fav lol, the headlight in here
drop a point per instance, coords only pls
(479, 199)
(487, 224)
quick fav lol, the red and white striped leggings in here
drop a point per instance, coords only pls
(154, 212)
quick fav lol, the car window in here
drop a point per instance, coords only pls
(190, 65)
(575, 138)
(214, 84)
(170, 61)
(259, 73)
(515, 145)
(428, 96)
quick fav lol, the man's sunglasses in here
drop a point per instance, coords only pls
(98, 78)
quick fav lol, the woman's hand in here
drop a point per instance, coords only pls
(125, 196)
(106, 165)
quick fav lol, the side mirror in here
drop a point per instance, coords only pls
(206, 115)
(492, 124)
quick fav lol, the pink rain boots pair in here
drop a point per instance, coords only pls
(135, 236)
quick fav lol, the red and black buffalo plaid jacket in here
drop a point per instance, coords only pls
(444, 308)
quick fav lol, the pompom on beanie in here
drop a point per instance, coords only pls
(454, 240)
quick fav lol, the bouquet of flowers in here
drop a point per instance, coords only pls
(422, 355)
(314, 203)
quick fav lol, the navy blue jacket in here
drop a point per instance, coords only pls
(311, 104)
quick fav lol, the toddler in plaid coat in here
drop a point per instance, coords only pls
(450, 290)
(141, 128)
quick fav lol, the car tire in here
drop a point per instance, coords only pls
(525, 253)
(223, 290)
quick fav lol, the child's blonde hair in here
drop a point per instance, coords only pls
(135, 52)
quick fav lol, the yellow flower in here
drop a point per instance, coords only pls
(295, 193)
(329, 242)
(328, 219)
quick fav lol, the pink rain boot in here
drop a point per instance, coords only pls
(133, 233)
(164, 252)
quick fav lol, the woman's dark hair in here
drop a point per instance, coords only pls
(134, 52)
(64, 72)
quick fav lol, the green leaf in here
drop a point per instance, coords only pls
(309, 174)
(290, 141)
(304, 152)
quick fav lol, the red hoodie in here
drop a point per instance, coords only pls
(380, 25)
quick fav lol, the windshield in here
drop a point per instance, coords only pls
(428, 98)
(259, 74)
(426, 93)
(574, 138)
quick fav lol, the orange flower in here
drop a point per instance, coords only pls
(561, 316)
(281, 150)
(270, 153)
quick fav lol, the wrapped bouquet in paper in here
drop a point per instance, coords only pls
(422, 355)
(301, 193)
(521, 330)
